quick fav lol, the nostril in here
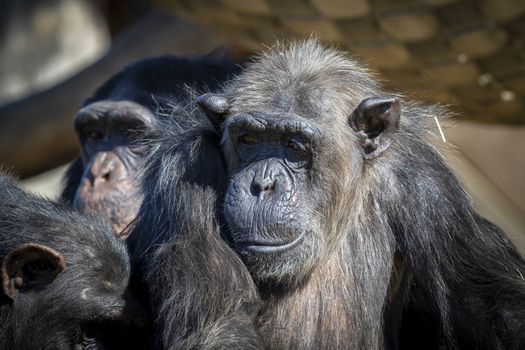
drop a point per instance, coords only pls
(268, 187)
(105, 176)
(262, 186)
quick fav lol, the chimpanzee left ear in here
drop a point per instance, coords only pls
(215, 107)
(30, 267)
(375, 122)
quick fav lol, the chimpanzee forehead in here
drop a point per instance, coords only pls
(318, 101)
(312, 113)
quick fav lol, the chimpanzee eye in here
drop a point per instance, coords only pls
(295, 146)
(94, 134)
(248, 139)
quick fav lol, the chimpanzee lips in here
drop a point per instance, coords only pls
(262, 246)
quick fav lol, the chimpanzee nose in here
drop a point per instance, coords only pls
(263, 184)
(102, 169)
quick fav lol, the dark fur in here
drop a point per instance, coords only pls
(200, 292)
(401, 254)
(78, 300)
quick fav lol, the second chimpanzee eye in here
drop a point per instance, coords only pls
(94, 134)
(248, 139)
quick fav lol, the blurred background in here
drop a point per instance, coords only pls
(467, 54)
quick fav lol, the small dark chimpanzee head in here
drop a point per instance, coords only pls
(112, 124)
(297, 142)
(64, 279)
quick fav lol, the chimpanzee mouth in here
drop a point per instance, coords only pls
(260, 246)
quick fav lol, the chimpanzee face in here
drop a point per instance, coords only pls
(293, 174)
(266, 204)
(109, 132)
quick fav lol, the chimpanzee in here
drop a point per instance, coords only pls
(64, 279)
(113, 123)
(356, 232)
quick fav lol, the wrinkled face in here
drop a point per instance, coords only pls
(268, 204)
(111, 156)
(295, 177)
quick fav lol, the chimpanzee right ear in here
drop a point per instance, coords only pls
(30, 266)
(376, 122)
(215, 107)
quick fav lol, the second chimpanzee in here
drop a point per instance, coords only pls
(64, 279)
(115, 119)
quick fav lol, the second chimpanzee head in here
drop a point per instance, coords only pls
(64, 278)
(112, 124)
(297, 142)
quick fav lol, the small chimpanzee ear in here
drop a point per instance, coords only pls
(215, 107)
(376, 121)
(30, 266)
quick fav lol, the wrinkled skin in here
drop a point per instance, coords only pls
(271, 157)
(275, 201)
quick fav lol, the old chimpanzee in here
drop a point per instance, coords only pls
(64, 279)
(112, 123)
(200, 292)
(356, 232)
